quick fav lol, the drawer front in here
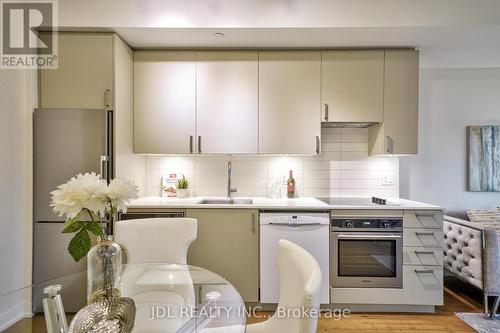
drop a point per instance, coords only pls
(366, 296)
(423, 219)
(423, 256)
(423, 285)
(423, 237)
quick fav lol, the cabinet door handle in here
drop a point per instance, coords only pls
(389, 145)
(424, 214)
(317, 144)
(424, 252)
(107, 98)
(424, 233)
(326, 112)
(190, 144)
(424, 271)
(254, 223)
(199, 144)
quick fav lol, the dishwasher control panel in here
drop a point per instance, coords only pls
(294, 218)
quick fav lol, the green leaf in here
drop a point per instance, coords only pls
(70, 221)
(95, 228)
(73, 227)
(79, 245)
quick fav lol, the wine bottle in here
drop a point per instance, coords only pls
(290, 186)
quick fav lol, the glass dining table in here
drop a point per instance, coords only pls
(167, 297)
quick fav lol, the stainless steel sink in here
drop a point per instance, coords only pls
(226, 202)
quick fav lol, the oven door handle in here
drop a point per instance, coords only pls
(343, 236)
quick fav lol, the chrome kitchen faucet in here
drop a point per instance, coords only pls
(229, 172)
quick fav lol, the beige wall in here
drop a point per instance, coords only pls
(450, 100)
(16, 105)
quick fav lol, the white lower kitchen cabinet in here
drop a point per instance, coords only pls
(422, 256)
(423, 237)
(423, 219)
(374, 296)
(227, 102)
(423, 285)
(289, 102)
(227, 243)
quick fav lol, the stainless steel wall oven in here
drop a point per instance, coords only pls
(366, 252)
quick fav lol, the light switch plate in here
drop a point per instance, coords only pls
(387, 177)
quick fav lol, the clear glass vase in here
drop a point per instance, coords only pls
(104, 269)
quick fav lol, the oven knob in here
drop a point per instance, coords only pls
(386, 224)
(349, 225)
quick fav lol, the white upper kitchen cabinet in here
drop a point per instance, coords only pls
(352, 85)
(398, 134)
(289, 102)
(227, 102)
(164, 102)
(84, 77)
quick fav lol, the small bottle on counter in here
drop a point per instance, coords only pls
(290, 185)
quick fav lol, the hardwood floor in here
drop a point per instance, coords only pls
(442, 321)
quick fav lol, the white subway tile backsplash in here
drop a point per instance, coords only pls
(330, 137)
(361, 164)
(316, 164)
(317, 183)
(359, 183)
(210, 191)
(354, 147)
(312, 174)
(335, 183)
(316, 192)
(354, 138)
(361, 174)
(330, 146)
(342, 169)
(358, 192)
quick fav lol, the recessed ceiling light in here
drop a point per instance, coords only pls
(219, 34)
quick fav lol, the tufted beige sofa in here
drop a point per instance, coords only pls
(472, 253)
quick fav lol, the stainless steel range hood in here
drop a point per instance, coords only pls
(331, 124)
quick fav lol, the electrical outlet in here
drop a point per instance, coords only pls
(387, 177)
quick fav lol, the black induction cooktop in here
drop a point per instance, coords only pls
(372, 201)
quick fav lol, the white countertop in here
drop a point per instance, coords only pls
(272, 204)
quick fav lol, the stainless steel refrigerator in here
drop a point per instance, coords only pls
(65, 142)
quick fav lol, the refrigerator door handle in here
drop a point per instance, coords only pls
(104, 167)
(108, 169)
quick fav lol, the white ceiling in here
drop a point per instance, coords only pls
(277, 13)
(448, 32)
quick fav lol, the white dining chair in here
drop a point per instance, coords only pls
(158, 241)
(300, 287)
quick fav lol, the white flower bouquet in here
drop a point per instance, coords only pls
(88, 201)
